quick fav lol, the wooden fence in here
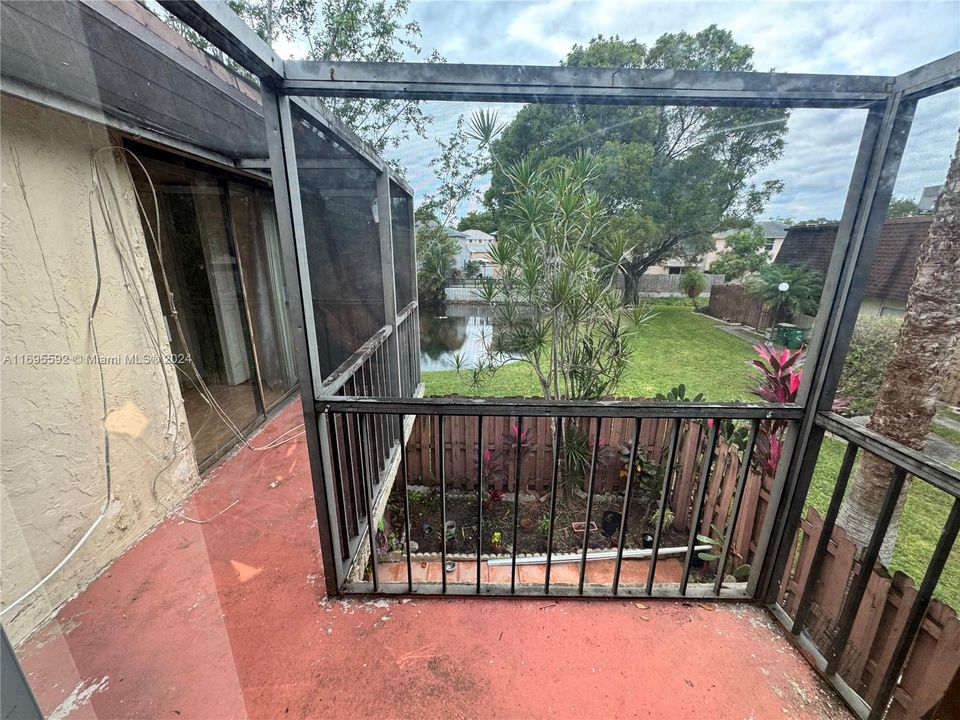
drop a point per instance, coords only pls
(932, 674)
(536, 467)
(733, 303)
(935, 660)
(669, 284)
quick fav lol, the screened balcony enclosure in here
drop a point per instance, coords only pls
(362, 415)
(725, 514)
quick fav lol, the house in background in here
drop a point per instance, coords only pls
(928, 199)
(894, 266)
(476, 248)
(773, 232)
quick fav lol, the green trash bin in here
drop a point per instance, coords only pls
(788, 335)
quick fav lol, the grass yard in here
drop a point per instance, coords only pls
(679, 346)
(946, 433)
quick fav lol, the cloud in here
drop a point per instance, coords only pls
(878, 38)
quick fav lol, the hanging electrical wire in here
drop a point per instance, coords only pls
(133, 278)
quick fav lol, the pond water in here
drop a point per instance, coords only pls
(456, 328)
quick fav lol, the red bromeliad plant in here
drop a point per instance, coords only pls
(780, 383)
(499, 464)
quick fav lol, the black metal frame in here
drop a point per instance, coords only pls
(365, 410)
(890, 103)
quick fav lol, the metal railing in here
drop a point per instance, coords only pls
(827, 649)
(359, 455)
(408, 339)
(365, 413)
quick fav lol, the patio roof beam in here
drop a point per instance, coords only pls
(523, 83)
(221, 27)
(930, 79)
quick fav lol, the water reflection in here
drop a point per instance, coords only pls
(456, 328)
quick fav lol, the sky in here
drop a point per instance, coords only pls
(877, 38)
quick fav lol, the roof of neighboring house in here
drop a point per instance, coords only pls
(479, 235)
(454, 233)
(894, 265)
(772, 230)
(928, 198)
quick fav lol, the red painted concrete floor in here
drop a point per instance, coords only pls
(229, 620)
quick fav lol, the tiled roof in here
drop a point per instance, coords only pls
(894, 265)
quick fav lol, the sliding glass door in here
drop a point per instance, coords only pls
(220, 282)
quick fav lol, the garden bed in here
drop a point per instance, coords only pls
(426, 528)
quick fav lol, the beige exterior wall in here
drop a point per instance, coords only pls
(52, 433)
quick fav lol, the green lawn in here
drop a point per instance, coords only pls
(947, 433)
(679, 346)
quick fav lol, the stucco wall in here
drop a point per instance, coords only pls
(52, 432)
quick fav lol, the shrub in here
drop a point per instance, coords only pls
(871, 346)
(693, 282)
(803, 297)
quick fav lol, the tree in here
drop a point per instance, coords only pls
(693, 282)
(745, 252)
(913, 378)
(552, 310)
(358, 30)
(802, 296)
(471, 269)
(671, 176)
(902, 207)
(436, 255)
(478, 220)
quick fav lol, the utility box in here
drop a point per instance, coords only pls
(788, 335)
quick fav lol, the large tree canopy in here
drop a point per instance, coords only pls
(671, 176)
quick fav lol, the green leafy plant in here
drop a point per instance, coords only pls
(802, 297)
(693, 283)
(679, 394)
(738, 574)
(668, 517)
(745, 252)
(577, 452)
(871, 348)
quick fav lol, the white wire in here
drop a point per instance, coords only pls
(106, 435)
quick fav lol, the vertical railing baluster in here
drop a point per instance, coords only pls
(479, 496)
(664, 496)
(859, 585)
(826, 532)
(441, 465)
(697, 514)
(627, 494)
(376, 368)
(341, 496)
(737, 502)
(516, 508)
(406, 512)
(371, 523)
(557, 441)
(356, 459)
(586, 526)
(917, 611)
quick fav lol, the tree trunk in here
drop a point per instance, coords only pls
(631, 287)
(914, 377)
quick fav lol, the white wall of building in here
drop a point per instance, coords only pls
(53, 466)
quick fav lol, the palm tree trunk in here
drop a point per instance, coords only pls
(914, 377)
